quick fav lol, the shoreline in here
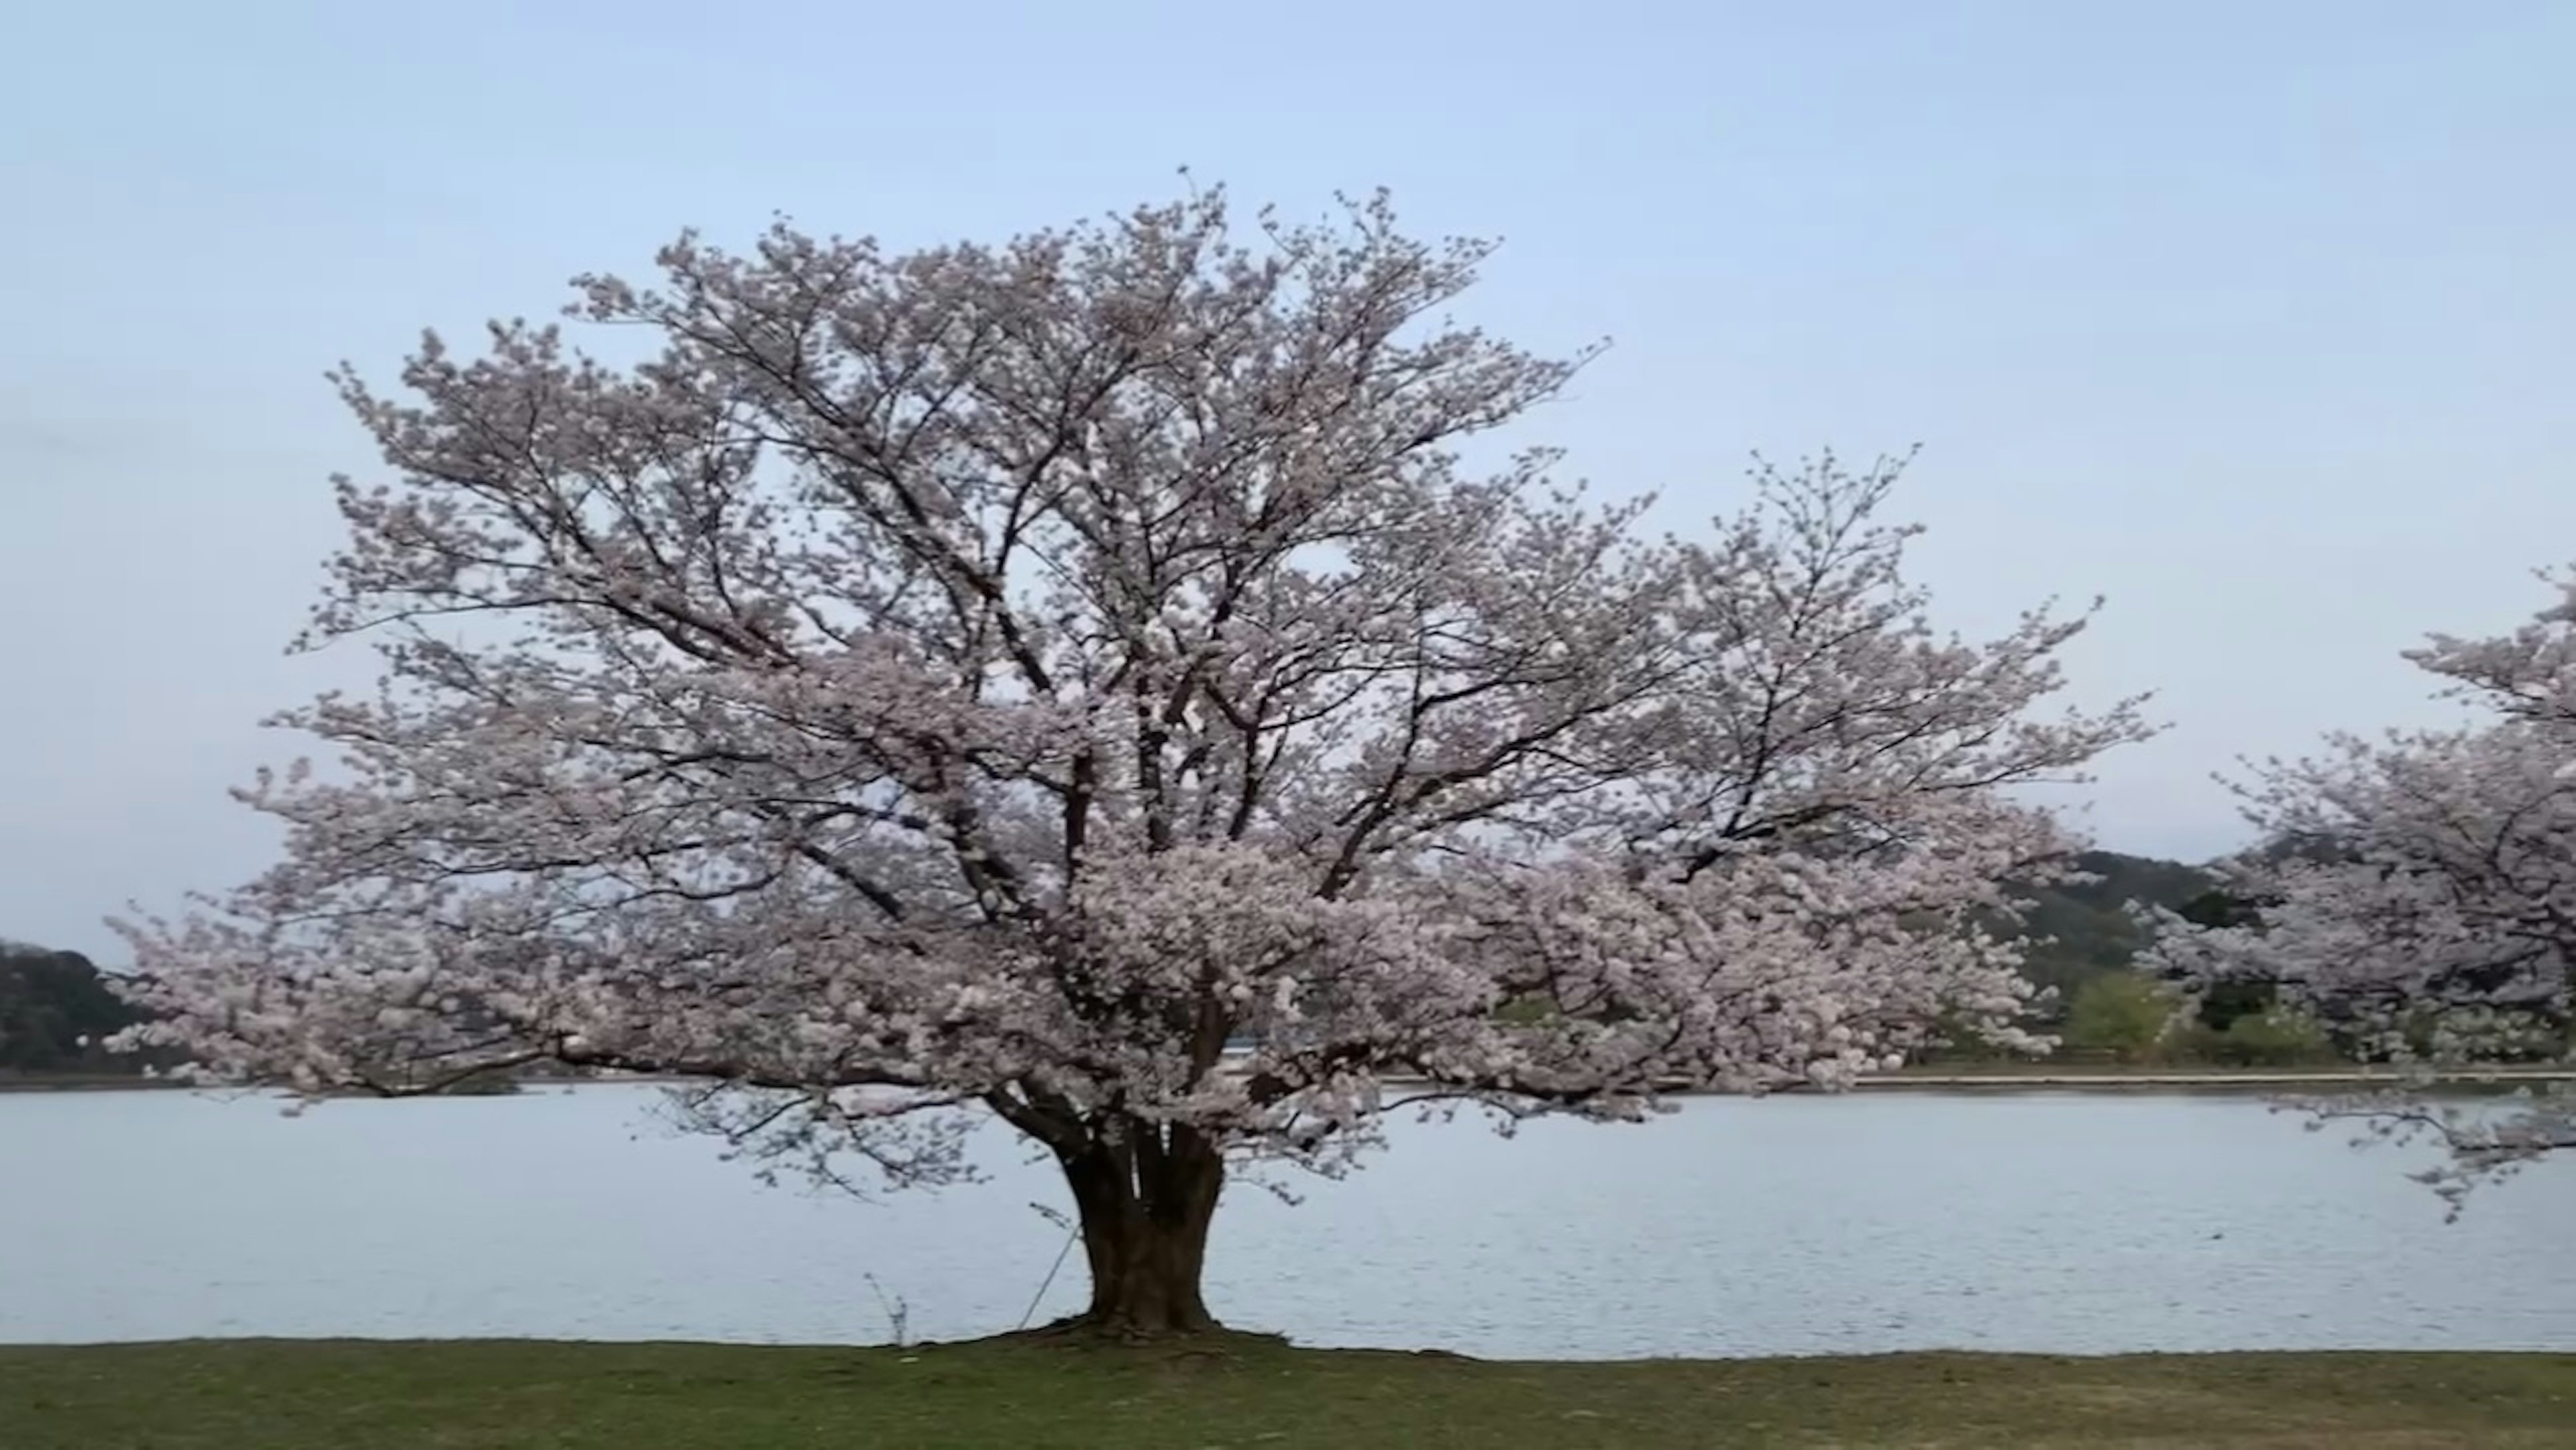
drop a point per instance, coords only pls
(2168, 1078)
(1224, 1338)
(2036, 1078)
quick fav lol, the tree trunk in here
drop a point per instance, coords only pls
(1146, 1200)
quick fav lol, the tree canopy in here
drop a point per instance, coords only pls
(2418, 890)
(997, 678)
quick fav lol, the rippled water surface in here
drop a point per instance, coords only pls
(2076, 1224)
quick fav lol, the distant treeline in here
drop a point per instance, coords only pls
(2080, 931)
(56, 1013)
(2083, 941)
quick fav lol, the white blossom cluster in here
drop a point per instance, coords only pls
(2419, 897)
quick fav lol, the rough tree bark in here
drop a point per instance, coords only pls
(1146, 1195)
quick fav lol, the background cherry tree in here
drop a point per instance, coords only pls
(2417, 894)
(1080, 681)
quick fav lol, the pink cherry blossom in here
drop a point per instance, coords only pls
(2421, 896)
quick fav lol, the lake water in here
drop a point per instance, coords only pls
(2066, 1223)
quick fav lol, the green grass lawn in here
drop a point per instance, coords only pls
(488, 1395)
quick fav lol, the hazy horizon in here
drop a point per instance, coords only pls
(2253, 319)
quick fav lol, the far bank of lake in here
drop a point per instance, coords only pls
(2034, 1074)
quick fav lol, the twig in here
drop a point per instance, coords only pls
(1049, 1282)
(898, 1311)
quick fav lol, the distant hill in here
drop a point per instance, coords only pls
(2081, 931)
(55, 1009)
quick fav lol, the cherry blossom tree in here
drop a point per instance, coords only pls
(2417, 893)
(1082, 682)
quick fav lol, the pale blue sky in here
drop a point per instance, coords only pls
(2254, 316)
